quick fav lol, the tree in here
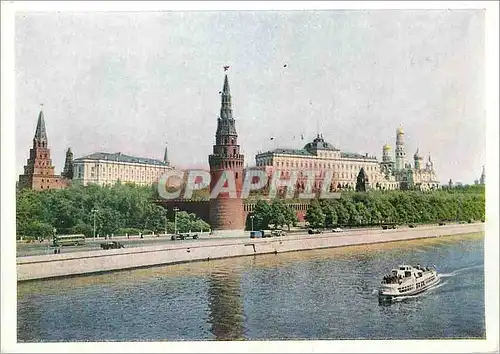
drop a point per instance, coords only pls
(314, 215)
(278, 213)
(290, 216)
(361, 181)
(38, 229)
(262, 215)
(82, 228)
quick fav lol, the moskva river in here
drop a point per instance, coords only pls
(323, 294)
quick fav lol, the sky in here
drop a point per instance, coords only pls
(131, 82)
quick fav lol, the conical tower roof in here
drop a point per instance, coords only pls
(226, 124)
(40, 132)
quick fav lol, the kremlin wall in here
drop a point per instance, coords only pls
(225, 214)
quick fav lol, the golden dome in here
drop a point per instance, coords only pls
(400, 131)
(386, 147)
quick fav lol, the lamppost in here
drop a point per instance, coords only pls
(251, 218)
(94, 211)
(166, 211)
(175, 219)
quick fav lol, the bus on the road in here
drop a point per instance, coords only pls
(68, 240)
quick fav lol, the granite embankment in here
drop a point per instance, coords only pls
(76, 263)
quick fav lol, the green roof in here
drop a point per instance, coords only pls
(119, 157)
(303, 152)
(353, 155)
(288, 152)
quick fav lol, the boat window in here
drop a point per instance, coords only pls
(402, 268)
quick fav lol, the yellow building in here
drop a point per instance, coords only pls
(319, 157)
(108, 168)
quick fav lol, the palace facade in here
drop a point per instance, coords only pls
(108, 168)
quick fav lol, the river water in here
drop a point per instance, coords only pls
(322, 294)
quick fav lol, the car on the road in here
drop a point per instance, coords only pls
(184, 236)
(338, 229)
(411, 226)
(278, 233)
(388, 226)
(111, 245)
(314, 231)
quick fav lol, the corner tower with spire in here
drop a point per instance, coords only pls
(39, 171)
(226, 212)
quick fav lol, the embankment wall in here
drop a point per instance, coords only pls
(77, 263)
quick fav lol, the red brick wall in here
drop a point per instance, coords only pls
(43, 182)
(202, 209)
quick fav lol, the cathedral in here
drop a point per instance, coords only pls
(417, 177)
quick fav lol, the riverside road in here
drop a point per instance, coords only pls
(38, 249)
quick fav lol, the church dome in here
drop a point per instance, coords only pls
(386, 147)
(319, 144)
(417, 156)
(400, 131)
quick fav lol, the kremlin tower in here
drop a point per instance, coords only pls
(226, 211)
(39, 171)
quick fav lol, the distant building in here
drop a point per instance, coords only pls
(39, 171)
(482, 179)
(321, 157)
(68, 165)
(418, 177)
(108, 168)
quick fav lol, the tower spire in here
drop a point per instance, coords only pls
(165, 154)
(226, 111)
(225, 123)
(41, 132)
(68, 165)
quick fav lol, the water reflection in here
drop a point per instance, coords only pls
(225, 306)
(323, 294)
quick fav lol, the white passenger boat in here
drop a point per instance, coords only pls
(407, 281)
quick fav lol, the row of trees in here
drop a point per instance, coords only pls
(127, 208)
(375, 207)
(276, 213)
(119, 209)
(397, 207)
